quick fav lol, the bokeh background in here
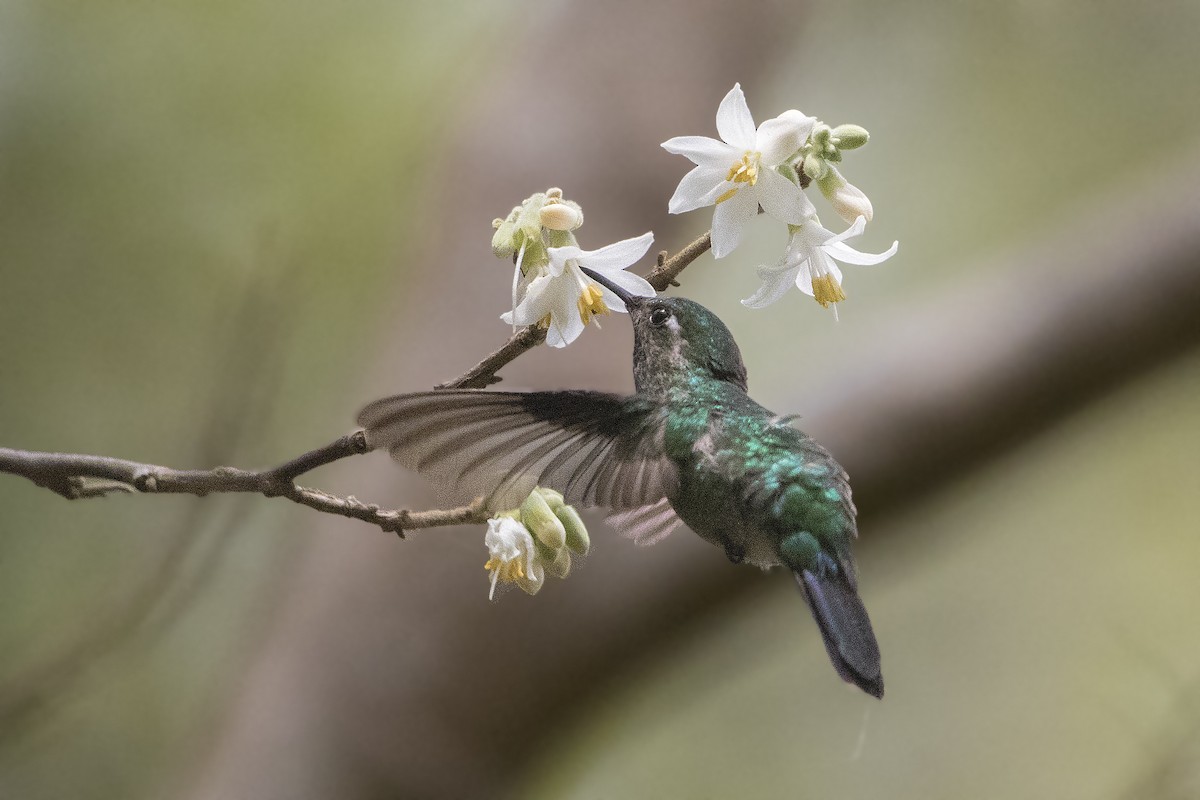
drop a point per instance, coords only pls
(225, 226)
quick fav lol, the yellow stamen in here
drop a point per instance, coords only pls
(509, 571)
(746, 170)
(591, 303)
(827, 290)
(544, 322)
(727, 195)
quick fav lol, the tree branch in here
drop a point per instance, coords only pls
(484, 373)
(76, 476)
(668, 269)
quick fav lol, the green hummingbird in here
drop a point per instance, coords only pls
(688, 446)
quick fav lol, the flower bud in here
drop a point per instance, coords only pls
(849, 137)
(814, 166)
(504, 243)
(542, 523)
(561, 215)
(560, 567)
(532, 584)
(789, 172)
(577, 536)
(553, 499)
(820, 136)
(847, 199)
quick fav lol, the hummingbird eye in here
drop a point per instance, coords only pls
(659, 316)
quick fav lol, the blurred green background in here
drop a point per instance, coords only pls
(224, 227)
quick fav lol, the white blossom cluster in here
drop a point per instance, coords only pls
(768, 167)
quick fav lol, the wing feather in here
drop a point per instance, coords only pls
(596, 448)
(648, 524)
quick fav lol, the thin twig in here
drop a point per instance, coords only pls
(77, 476)
(667, 271)
(484, 373)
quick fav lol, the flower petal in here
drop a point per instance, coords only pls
(776, 282)
(782, 199)
(562, 304)
(729, 220)
(702, 150)
(615, 256)
(779, 138)
(856, 229)
(700, 187)
(848, 255)
(734, 123)
(559, 256)
(534, 306)
(612, 301)
(564, 328)
(804, 277)
(636, 285)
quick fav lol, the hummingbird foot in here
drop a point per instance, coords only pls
(734, 552)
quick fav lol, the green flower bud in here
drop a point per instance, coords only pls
(536, 256)
(820, 136)
(530, 586)
(814, 166)
(560, 567)
(553, 499)
(503, 241)
(577, 535)
(542, 523)
(789, 172)
(528, 218)
(849, 137)
(545, 555)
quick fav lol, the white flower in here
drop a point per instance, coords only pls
(809, 264)
(564, 300)
(738, 175)
(512, 556)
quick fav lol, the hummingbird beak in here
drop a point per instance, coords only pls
(625, 296)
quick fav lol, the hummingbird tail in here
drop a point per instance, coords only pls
(845, 627)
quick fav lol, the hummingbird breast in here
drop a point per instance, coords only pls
(747, 478)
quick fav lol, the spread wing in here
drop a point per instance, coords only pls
(598, 449)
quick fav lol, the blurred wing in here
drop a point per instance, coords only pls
(597, 449)
(647, 525)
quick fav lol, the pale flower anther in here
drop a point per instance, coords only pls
(738, 173)
(810, 265)
(564, 300)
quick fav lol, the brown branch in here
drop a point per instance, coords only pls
(76, 476)
(484, 373)
(668, 269)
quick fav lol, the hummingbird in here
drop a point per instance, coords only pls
(688, 446)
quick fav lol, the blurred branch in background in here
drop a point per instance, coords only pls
(1112, 295)
(241, 396)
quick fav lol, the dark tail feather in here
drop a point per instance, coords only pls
(845, 628)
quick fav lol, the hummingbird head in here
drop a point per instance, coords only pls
(675, 338)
